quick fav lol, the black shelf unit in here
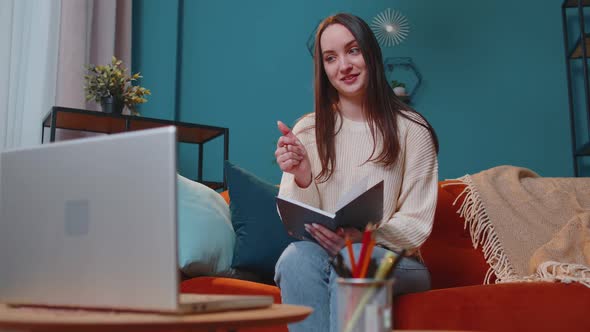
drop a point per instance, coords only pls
(578, 53)
(109, 123)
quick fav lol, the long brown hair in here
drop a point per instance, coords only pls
(381, 106)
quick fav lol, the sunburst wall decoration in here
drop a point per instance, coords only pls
(390, 27)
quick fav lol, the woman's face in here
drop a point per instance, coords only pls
(343, 61)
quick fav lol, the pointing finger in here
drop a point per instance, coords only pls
(285, 130)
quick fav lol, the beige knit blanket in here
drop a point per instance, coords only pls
(531, 228)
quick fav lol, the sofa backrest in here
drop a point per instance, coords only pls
(449, 252)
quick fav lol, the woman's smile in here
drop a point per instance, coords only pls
(350, 79)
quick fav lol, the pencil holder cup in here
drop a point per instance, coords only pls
(364, 305)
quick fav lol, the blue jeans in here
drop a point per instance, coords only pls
(305, 277)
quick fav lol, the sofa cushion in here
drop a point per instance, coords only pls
(511, 307)
(501, 307)
(209, 285)
(448, 252)
(260, 234)
(218, 285)
(225, 195)
(205, 234)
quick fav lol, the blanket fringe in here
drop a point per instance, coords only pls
(483, 233)
(564, 272)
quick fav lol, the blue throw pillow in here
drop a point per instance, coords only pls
(260, 234)
(205, 234)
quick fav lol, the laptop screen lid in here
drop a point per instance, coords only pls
(91, 223)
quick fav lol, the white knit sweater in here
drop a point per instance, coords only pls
(410, 185)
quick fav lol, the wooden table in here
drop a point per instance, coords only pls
(65, 320)
(110, 123)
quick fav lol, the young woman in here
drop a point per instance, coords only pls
(359, 128)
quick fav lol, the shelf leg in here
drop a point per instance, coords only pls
(570, 96)
(200, 170)
(225, 155)
(53, 124)
(584, 62)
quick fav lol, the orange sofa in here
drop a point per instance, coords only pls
(458, 300)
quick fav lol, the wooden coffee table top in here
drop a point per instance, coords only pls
(44, 319)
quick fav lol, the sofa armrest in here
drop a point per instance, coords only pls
(448, 252)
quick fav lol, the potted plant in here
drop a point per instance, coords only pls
(399, 88)
(112, 87)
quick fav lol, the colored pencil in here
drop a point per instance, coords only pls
(363, 254)
(367, 259)
(351, 255)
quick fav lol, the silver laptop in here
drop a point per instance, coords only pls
(91, 223)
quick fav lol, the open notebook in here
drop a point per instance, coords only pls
(356, 208)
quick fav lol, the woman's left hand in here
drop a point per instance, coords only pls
(333, 242)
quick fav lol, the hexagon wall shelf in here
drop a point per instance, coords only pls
(396, 64)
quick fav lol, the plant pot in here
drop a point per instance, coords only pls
(400, 91)
(111, 104)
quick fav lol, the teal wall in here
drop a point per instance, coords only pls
(154, 54)
(494, 76)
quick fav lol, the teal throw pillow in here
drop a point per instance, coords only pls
(205, 234)
(260, 234)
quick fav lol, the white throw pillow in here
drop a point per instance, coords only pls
(205, 234)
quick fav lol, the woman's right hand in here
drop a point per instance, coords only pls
(292, 156)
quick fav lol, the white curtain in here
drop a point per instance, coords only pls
(92, 31)
(44, 45)
(29, 31)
